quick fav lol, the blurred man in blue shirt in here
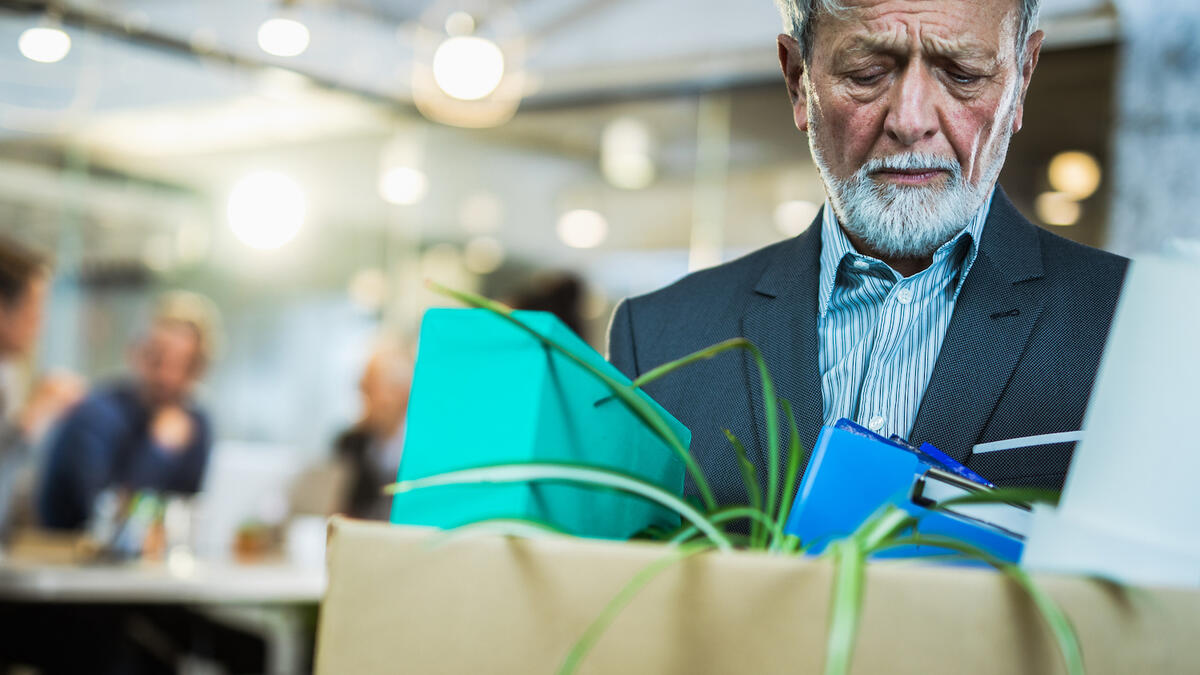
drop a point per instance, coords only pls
(142, 433)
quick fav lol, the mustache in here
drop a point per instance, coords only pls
(910, 161)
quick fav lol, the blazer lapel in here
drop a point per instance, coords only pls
(1000, 302)
(781, 320)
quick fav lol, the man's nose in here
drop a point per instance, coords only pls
(912, 112)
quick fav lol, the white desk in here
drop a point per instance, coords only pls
(204, 583)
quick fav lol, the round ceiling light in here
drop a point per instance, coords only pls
(467, 67)
(44, 45)
(283, 37)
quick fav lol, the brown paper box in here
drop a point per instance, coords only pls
(499, 605)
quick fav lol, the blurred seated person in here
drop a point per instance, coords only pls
(370, 450)
(139, 432)
(24, 284)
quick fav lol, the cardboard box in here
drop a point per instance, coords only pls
(499, 605)
(486, 392)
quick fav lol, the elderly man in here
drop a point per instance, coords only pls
(371, 449)
(920, 302)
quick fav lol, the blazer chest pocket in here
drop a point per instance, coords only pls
(1004, 466)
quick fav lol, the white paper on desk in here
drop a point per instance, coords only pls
(1131, 495)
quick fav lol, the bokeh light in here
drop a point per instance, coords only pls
(483, 255)
(460, 23)
(481, 213)
(794, 216)
(625, 147)
(1057, 208)
(368, 289)
(403, 185)
(266, 210)
(1075, 173)
(582, 228)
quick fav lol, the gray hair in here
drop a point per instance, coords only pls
(798, 21)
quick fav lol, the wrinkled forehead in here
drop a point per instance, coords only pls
(983, 30)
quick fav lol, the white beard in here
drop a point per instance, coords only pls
(903, 221)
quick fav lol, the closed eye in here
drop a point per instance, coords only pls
(866, 80)
(962, 78)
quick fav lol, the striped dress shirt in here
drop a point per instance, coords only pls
(880, 332)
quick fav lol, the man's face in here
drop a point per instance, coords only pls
(167, 362)
(384, 386)
(911, 102)
(21, 321)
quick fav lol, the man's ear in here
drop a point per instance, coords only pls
(1033, 50)
(791, 61)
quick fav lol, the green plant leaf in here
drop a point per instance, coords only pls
(724, 515)
(701, 355)
(769, 399)
(750, 479)
(1057, 620)
(791, 545)
(652, 533)
(793, 474)
(621, 600)
(626, 394)
(884, 524)
(570, 473)
(769, 402)
(849, 565)
(845, 605)
(772, 416)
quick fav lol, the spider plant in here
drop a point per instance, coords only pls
(702, 529)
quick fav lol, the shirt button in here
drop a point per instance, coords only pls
(862, 264)
(904, 295)
(875, 423)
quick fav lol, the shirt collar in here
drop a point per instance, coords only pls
(836, 248)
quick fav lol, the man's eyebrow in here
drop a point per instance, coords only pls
(958, 48)
(875, 43)
(899, 43)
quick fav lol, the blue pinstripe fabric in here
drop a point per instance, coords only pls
(879, 332)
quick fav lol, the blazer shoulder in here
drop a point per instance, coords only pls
(1061, 255)
(706, 286)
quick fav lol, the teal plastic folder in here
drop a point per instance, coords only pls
(486, 392)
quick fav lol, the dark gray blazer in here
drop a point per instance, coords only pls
(1019, 356)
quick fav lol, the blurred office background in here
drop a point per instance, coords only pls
(307, 163)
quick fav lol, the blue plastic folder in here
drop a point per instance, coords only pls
(486, 392)
(853, 473)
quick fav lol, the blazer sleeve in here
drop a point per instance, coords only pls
(622, 352)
